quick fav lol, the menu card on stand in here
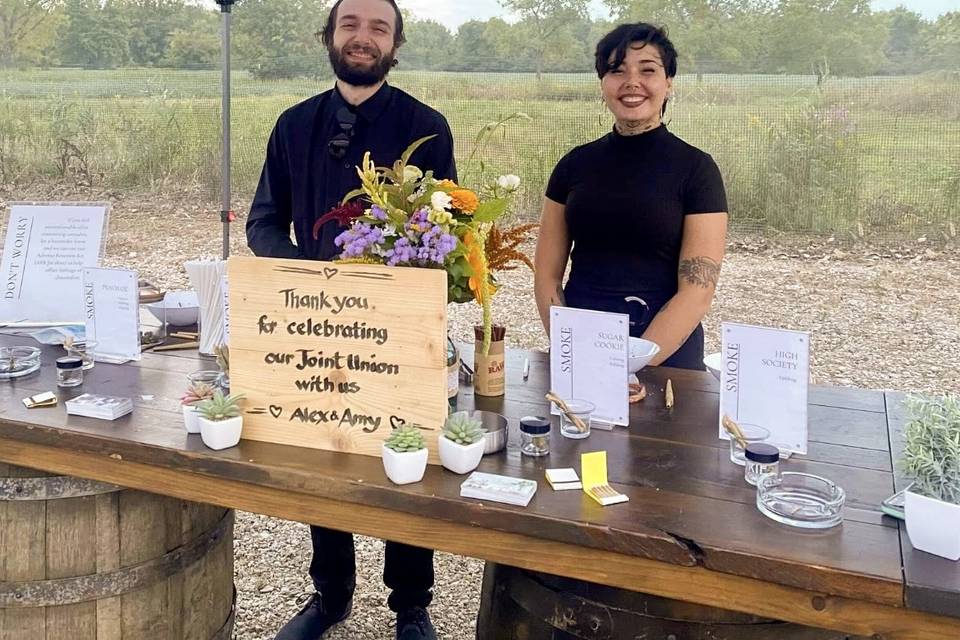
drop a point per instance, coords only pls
(764, 380)
(111, 302)
(46, 249)
(588, 361)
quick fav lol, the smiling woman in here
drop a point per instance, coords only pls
(639, 213)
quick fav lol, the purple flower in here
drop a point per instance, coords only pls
(377, 213)
(359, 239)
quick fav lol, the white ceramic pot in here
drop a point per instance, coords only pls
(460, 458)
(221, 434)
(191, 418)
(404, 468)
(933, 525)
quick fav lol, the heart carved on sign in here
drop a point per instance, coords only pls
(330, 272)
(275, 410)
(396, 422)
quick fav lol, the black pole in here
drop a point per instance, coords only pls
(225, 213)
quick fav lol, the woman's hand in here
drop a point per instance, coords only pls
(701, 254)
(550, 262)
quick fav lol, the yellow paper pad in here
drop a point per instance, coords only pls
(593, 470)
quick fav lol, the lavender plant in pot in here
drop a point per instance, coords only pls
(931, 457)
(405, 455)
(461, 443)
(196, 393)
(221, 422)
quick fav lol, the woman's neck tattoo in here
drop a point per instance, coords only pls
(635, 128)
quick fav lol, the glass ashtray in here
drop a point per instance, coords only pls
(800, 500)
(16, 362)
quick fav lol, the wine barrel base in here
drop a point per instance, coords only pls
(524, 605)
(82, 560)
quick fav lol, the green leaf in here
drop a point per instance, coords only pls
(490, 210)
(405, 157)
(356, 193)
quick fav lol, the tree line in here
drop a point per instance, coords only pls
(276, 38)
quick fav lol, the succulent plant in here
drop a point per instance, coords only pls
(197, 392)
(405, 440)
(462, 429)
(931, 454)
(220, 407)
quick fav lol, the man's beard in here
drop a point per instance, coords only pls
(361, 76)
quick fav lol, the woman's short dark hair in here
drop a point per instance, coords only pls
(612, 49)
(399, 37)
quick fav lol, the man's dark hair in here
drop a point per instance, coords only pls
(612, 49)
(327, 35)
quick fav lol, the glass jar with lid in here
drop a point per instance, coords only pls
(761, 458)
(534, 436)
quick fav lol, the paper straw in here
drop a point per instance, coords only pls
(206, 276)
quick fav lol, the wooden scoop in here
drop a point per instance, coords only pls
(734, 430)
(575, 419)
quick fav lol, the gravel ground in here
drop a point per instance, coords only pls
(880, 316)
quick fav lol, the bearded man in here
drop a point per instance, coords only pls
(310, 165)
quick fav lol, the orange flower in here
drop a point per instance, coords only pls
(478, 282)
(465, 200)
(447, 184)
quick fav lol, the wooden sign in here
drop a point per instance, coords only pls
(335, 356)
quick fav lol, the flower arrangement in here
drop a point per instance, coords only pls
(402, 216)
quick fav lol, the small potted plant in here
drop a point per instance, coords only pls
(405, 455)
(931, 457)
(196, 393)
(220, 421)
(461, 443)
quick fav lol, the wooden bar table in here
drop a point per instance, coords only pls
(690, 532)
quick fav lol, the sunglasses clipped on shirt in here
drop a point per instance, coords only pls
(339, 144)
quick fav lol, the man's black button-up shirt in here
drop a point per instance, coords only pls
(302, 180)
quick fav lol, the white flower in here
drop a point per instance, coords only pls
(508, 182)
(411, 173)
(441, 200)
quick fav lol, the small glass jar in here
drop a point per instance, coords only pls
(576, 424)
(69, 371)
(534, 436)
(761, 459)
(83, 350)
(751, 433)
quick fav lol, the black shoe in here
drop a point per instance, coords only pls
(414, 624)
(313, 620)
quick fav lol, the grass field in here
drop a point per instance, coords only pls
(875, 156)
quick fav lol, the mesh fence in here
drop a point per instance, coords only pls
(871, 157)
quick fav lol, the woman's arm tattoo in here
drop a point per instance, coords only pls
(701, 271)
